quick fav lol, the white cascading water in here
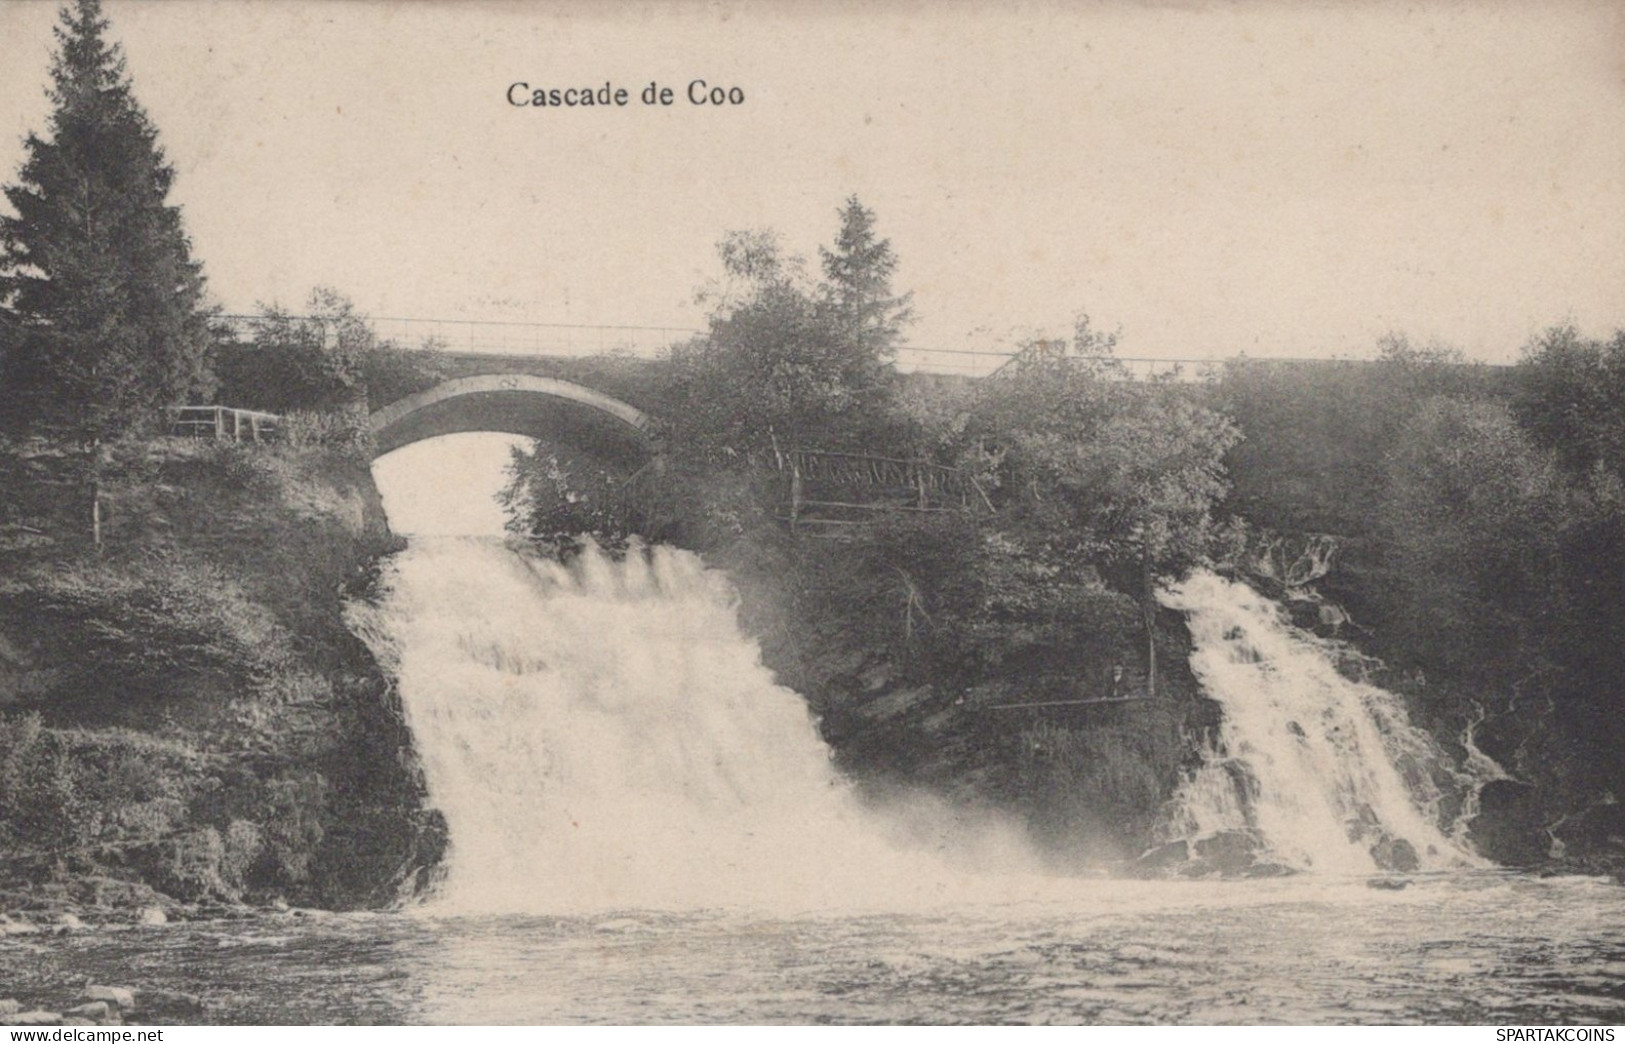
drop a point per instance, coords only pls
(599, 735)
(1321, 768)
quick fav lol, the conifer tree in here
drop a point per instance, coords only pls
(101, 315)
(857, 293)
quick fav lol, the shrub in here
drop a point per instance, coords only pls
(40, 808)
(143, 628)
(346, 429)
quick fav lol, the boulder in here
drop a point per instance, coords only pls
(171, 1002)
(1161, 859)
(152, 916)
(1508, 828)
(1389, 884)
(1228, 853)
(123, 996)
(1397, 854)
(98, 1010)
(36, 1018)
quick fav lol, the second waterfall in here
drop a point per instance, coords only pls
(1321, 772)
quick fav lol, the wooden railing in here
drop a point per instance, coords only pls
(223, 422)
(829, 490)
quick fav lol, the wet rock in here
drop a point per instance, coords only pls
(1591, 836)
(123, 996)
(1161, 858)
(1228, 853)
(1396, 853)
(1259, 870)
(152, 916)
(168, 1002)
(1508, 827)
(1389, 884)
(225, 912)
(36, 1018)
(97, 1010)
(878, 676)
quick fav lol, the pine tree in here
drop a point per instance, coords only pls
(857, 288)
(101, 316)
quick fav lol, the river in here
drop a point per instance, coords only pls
(1470, 947)
(646, 828)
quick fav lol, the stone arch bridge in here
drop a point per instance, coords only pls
(548, 408)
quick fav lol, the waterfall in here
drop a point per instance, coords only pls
(1322, 772)
(599, 735)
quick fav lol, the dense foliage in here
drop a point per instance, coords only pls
(1480, 528)
(787, 362)
(328, 358)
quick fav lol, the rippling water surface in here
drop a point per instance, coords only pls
(1462, 948)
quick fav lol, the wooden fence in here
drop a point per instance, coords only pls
(223, 422)
(828, 491)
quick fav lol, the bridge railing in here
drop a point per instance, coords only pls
(510, 338)
(495, 337)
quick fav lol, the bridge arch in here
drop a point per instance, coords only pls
(519, 404)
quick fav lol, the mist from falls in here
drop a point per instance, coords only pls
(1326, 772)
(600, 735)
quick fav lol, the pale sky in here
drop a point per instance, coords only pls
(446, 486)
(1276, 178)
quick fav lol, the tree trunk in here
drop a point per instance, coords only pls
(1148, 607)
